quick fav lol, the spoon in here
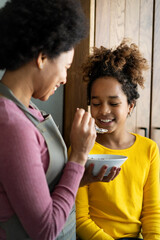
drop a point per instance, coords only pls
(100, 130)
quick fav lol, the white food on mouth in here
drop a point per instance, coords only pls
(100, 130)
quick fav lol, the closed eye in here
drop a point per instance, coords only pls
(96, 104)
(114, 104)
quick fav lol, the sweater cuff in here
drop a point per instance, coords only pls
(72, 175)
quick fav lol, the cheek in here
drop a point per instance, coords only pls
(64, 74)
(123, 112)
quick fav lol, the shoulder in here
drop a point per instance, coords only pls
(146, 143)
(18, 136)
(144, 140)
(13, 121)
(9, 110)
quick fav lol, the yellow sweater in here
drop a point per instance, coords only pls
(127, 205)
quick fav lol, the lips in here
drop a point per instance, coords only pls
(57, 86)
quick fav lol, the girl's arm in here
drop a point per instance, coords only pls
(86, 227)
(150, 217)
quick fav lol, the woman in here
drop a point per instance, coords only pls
(129, 205)
(36, 49)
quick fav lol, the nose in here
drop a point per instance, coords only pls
(64, 78)
(63, 81)
(105, 109)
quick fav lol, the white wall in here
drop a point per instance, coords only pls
(54, 105)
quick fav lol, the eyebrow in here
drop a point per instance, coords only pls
(112, 97)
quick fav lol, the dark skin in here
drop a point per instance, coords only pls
(109, 101)
(89, 178)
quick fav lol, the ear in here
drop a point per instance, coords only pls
(131, 107)
(41, 60)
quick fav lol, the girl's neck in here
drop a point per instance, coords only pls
(116, 140)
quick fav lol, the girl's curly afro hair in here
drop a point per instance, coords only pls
(125, 63)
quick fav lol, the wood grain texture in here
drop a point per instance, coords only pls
(132, 18)
(75, 90)
(145, 45)
(102, 23)
(117, 22)
(155, 120)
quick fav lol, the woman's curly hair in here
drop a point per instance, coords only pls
(29, 27)
(125, 63)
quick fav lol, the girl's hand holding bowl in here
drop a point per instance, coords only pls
(102, 167)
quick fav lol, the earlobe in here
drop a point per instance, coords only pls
(132, 105)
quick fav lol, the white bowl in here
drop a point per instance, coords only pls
(100, 160)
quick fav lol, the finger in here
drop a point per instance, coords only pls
(111, 175)
(92, 123)
(100, 175)
(78, 116)
(89, 169)
(86, 118)
(92, 128)
(117, 173)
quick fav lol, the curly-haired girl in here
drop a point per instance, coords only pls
(129, 206)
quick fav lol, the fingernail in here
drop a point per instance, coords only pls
(105, 167)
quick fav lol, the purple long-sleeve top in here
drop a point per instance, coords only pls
(23, 188)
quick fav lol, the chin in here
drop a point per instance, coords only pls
(45, 98)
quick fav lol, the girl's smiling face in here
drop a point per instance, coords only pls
(109, 106)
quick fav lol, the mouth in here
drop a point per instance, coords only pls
(57, 86)
(104, 123)
(105, 120)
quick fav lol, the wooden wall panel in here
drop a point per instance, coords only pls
(155, 121)
(102, 23)
(109, 22)
(117, 22)
(75, 91)
(145, 45)
(132, 18)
